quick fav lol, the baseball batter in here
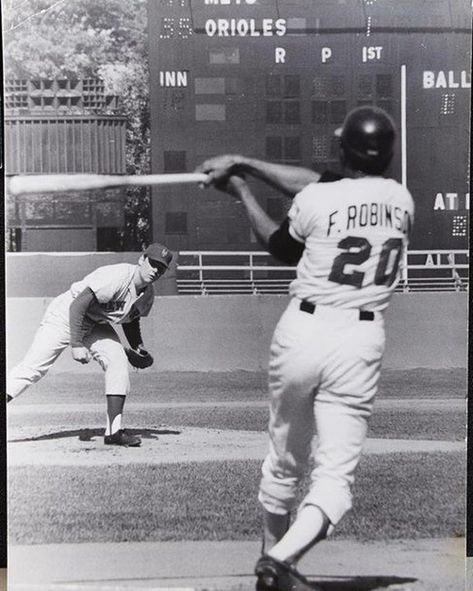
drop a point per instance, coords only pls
(348, 236)
(83, 318)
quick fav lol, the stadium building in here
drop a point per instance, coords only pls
(63, 126)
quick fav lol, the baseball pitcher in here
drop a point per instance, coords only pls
(347, 235)
(83, 318)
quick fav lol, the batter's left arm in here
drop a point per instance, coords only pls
(273, 237)
(262, 225)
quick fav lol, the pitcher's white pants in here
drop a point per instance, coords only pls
(53, 336)
(323, 375)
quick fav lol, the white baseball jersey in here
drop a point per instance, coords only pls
(355, 232)
(117, 300)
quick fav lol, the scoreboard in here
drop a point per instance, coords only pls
(273, 79)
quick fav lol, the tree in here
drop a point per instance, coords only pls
(89, 39)
(130, 82)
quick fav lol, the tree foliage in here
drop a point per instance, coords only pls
(104, 39)
(51, 38)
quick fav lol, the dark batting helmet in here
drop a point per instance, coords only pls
(367, 138)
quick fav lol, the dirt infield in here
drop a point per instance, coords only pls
(35, 439)
(85, 447)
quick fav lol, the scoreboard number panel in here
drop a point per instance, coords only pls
(274, 79)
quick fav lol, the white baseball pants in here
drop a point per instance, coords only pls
(53, 336)
(323, 375)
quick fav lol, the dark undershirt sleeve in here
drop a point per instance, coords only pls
(77, 312)
(283, 246)
(329, 177)
(132, 332)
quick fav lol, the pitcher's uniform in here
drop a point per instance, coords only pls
(116, 302)
(327, 348)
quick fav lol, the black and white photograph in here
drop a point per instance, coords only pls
(236, 294)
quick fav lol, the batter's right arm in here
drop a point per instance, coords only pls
(286, 178)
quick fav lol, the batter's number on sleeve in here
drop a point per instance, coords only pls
(356, 251)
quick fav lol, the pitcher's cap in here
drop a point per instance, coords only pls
(159, 253)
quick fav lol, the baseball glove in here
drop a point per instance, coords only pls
(139, 358)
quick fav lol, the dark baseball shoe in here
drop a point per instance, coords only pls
(122, 438)
(273, 575)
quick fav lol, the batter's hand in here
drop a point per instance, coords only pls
(219, 169)
(81, 354)
(236, 186)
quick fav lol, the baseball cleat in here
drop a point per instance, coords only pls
(122, 438)
(274, 575)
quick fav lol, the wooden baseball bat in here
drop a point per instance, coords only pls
(53, 183)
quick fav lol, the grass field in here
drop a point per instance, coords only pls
(396, 496)
(233, 386)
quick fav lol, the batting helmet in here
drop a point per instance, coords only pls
(367, 139)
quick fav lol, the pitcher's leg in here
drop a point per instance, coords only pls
(49, 342)
(108, 351)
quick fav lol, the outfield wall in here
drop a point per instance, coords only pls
(224, 333)
(46, 274)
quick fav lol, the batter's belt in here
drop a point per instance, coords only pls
(308, 307)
